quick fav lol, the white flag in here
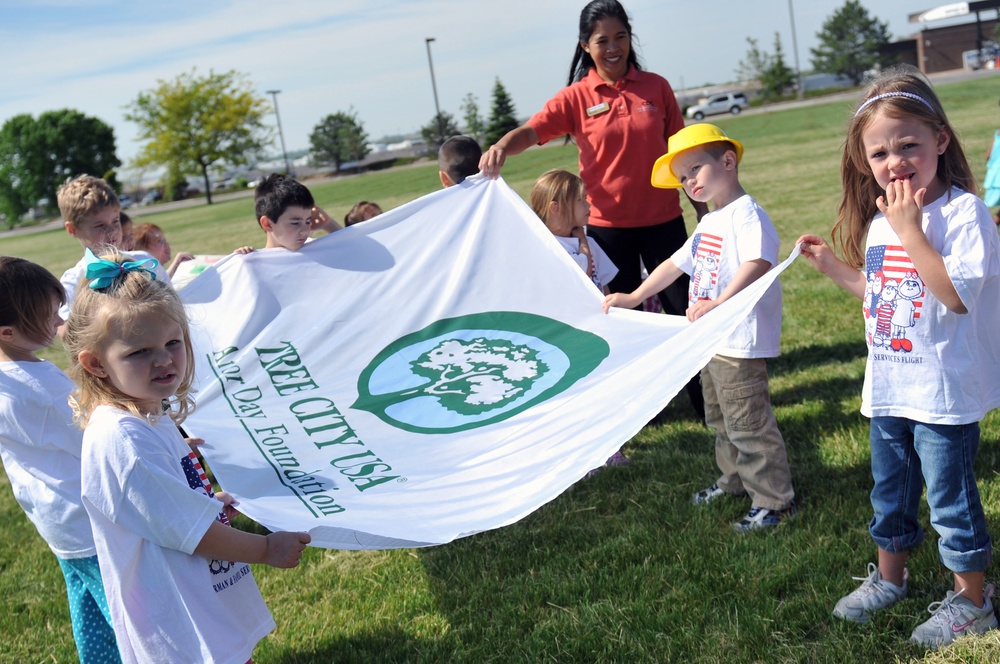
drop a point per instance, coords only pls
(442, 369)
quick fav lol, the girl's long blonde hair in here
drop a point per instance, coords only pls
(94, 314)
(557, 186)
(906, 90)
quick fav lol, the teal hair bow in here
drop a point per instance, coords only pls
(103, 272)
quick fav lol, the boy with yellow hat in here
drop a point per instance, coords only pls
(732, 246)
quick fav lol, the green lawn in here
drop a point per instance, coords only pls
(621, 568)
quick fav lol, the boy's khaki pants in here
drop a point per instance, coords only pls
(749, 449)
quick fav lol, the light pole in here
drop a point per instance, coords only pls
(795, 49)
(437, 107)
(281, 134)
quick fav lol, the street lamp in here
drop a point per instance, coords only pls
(437, 108)
(795, 49)
(284, 152)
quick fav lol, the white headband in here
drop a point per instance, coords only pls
(884, 95)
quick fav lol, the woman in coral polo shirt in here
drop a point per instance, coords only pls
(621, 118)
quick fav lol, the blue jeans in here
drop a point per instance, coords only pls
(905, 455)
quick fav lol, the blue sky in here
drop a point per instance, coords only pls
(329, 55)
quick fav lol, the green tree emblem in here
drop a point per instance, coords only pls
(473, 376)
(471, 371)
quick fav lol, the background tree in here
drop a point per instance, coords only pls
(753, 65)
(850, 42)
(778, 77)
(38, 155)
(502, 115)
(475, 126)
(439, 129)
(339, 138)
(767, 69)
(195, 123)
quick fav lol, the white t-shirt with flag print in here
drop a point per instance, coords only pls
(925, 362)
(723, 240)
(150, 505)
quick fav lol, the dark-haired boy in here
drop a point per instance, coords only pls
(458, 158)
(287, 212)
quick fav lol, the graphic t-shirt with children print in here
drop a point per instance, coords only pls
(925, 362)
(723, 239)
(150, 505)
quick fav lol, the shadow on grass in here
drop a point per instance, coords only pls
(626, 557)
(623, 568)
(815, 356)
(389, 645)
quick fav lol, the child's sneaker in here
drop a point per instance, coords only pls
(707, 495)
(618, 459)
(874, 594)
(759, 518)
(953, 617)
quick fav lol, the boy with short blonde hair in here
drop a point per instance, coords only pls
(82, 197)
(733, 246)
(91, 213)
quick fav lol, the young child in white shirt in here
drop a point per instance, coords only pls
(921, 252)
(732, 247)
(41, 447)
(559, 198)
(176, 575)
(287, 213)
(91, 214)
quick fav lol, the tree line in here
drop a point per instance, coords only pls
(200, 123)
(851, 42)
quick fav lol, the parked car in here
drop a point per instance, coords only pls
(125, 201)
(725, 102)
(152, 196)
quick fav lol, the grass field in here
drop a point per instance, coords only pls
(621, 568)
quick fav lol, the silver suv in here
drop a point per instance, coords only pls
(725, 102)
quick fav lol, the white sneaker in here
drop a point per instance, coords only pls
(706, 496)
(873, 594)
(953, 617)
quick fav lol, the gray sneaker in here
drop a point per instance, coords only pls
(873, 594)
(952, 617)
(707, 495)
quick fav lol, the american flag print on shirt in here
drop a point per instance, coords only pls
(893, 297)
(705, 252)
(198, 480)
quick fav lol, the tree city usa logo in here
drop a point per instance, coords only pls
(466, 372)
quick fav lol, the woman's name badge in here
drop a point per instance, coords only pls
(598, 109)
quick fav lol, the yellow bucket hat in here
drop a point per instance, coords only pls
(689, 137)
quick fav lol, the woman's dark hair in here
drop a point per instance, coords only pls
(591, 14)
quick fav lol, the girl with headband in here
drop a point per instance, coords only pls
(920, 249)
